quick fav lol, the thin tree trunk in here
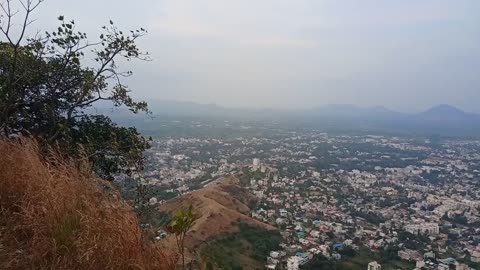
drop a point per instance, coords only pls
(183, 251)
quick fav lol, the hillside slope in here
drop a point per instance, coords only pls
(223, 214)
(219, 207)
(53, 216)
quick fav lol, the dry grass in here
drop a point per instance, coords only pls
(218, 207)
(52, 216)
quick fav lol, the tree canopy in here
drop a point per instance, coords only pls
(50, 81)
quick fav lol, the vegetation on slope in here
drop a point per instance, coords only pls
(358, 260)
(55, 216)
(246, 249)
(48, 88)
(219, 208)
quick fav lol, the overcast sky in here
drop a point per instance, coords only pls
(404, 54)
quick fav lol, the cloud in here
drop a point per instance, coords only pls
(406, 54)
(239, 22)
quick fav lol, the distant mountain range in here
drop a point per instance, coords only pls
(439, 120)
(439, 114)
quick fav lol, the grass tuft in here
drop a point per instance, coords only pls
(54, 216)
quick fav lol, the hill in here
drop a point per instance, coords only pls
(350, 111)
(446, 113)
(218, 207)
(223, 212)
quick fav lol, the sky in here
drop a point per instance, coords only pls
(407, 55)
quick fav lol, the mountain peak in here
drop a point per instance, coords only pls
(448, 116)
(446, 108)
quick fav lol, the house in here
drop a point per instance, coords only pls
(274, 254)
(374, 266)
(293, 263)
(419, 264)
(336, 256)
(409, 255)
(338, 246)
(271, 266)
(424, 228)
(448, 261)
(475, 257)
(303, 257)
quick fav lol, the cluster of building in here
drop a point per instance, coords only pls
(409, 201)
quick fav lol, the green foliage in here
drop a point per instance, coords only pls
(180, 224)
(390, 253)
(359, 261)
(369, 216)
(411, 241)
(458, 219)
(262, 241)
(347, 251)
(110, 148)
(182, 221)
(249, 241)
(257, 175)
(320, 262)
(46, 90)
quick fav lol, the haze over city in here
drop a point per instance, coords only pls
(405, 55)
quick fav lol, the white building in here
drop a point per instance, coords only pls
(374, 266)
(256, 162)
(259, 194)
(152, 201)
(293, 263)
(274, 254)
(425, 228)
(420, 264)
(475, 256)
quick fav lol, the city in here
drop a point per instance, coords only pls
(410, 202)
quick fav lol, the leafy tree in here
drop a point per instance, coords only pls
(47, 89)
(389, 253)
(181, 223)
(320, 262)
(347, 251)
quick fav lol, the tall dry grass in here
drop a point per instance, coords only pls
(53, 216)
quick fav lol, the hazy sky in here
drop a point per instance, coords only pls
(404, 54)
